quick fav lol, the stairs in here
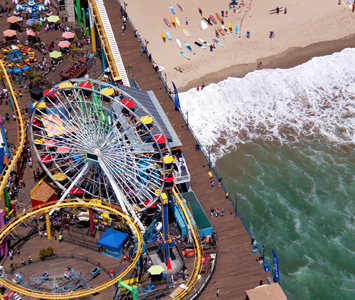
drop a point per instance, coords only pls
(108, 41)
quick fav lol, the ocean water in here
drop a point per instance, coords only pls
(283, 142)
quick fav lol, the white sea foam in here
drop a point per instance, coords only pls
(272, 104)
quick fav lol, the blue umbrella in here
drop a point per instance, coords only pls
(31, 21)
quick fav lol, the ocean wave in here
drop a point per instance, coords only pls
(311, 102)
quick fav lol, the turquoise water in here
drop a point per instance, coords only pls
(299, 200)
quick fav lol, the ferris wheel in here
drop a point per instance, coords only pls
(96, 141)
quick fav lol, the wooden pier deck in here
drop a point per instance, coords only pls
(237, 269)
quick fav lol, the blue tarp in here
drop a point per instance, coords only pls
(112, 240)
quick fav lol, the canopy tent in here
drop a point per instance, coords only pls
(267, 292)
(112, 240)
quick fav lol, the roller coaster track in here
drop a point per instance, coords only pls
(108, 41)
(21, 130)
(198, 248)
(71, 203)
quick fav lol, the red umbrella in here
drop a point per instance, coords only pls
(64, 44)
(9, 32)
(46, 159)
(68, 35)
(31, 32)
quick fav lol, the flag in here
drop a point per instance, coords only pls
(176, 96)
(276, 266)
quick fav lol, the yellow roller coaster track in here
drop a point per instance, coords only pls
(21, 130)
(104, 40)
(198, 249)
(72, 203)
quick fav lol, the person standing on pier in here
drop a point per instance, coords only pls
(217, 293)
(212, 212)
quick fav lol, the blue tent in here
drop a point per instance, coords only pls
(112, 241)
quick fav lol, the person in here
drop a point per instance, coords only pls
(10, 254)
(30, 260)
(60, 238)
(212, 212)
(18, 251)
(227, 195)
(248, 34)
(187, 21)
(7, 116)
(222, 13)
(217, 293)
(261, 282)
(23, 262)
(217, 212)
(226, 14)
(55, 236)
(242, 3)
(40, 233)
(211, 48)
(259, 65)
(123, 29)
(197, 88)
(202, 86)
(212, 183)
(45, 234)
(277, 10)
(14, 116)
(285, 10)
(222, 212)
(219, 181)
(252, 240)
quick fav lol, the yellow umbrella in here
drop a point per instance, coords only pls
(53, 19)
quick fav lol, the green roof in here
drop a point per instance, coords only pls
(198, 213)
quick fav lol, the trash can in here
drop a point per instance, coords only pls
(266, 267)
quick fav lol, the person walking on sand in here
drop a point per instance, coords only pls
(285, 10)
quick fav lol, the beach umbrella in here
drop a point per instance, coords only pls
(31, 32)
(55, 54)
(64, 44)
(13, 19)
(156, 270)
(9, 32)
(53, 19)
(30, 22)
(68, 35)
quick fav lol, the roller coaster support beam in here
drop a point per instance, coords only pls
(78, 11)
(84, 20)
(6, 198)
(132, 289)
(92, 32)
(13, 208)
(166, 239)
(48, 226)
(3, 246)
(91, 220)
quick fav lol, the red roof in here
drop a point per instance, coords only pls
(128, 103)
(160, 138)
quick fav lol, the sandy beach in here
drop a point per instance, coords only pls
(308, 29)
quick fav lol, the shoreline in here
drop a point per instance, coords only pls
(288, 59)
